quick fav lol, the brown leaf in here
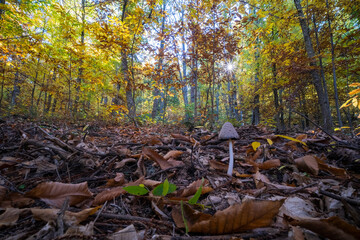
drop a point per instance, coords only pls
(70, 218)
(218, 165)
(249, 215)
(154, 141)
(307, 164)
(181, 137)
(173, 154)
(333, 228)
(331, 169)
(153, 155)
(124, 161)
(260, 179)
(273, 163)
(193, 187)
(55, 193)
(119, 180)
(107, 195)
(10, 216)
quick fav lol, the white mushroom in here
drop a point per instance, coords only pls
(228, 132)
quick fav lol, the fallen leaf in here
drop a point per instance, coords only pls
(128, 233)
(333, 228)
(292, 139)
(181, 137)
(218, 165)
(173, 154)
(70, 218)
(124, 161)
(273, 163)
(193, 187)
(55, 193)
(153, 155)
(154, 141)
(80, 231)
(10, 216)
(249, 215)
(255, 145)
(307, 164)
(260, 179)
(119, 180)
(107, 195)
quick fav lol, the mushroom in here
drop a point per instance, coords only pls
(228, 132)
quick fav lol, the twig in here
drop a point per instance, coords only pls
(102, 208)
(340, 198)
(60, 217)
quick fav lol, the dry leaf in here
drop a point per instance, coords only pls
(70, 218)
(154, 141)
(307, 164)
(193, 187)
(181, 137)
(124, 161)
(218, 165)
(333, 228)
(10, 216)
(119, 180)
(237, 218)
(173, 154)
(260, 179)
(107, 195)
(128, 233)
(153, 155)
(273, 163)
(80, 231)
(55, 193)
(331, 169)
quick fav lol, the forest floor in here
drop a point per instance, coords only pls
(66, 181)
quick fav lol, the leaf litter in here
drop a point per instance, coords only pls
(70, 182)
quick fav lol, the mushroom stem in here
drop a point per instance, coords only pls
(231, 161)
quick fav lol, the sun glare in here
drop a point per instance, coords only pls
(230, 67)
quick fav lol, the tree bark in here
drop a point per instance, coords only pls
(16, 90)
(157, 94)
(336, 96)
(325, 110)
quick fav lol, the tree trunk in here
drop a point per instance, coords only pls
(2, 86)
(129, 87)
(16, 90)
(325, 110)
(157, 94)
(333, 66)
(320, 62)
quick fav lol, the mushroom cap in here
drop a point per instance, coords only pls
(228, 132)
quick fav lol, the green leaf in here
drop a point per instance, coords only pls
(292, 139)
(159, 190)
(136, 190)
(183, 217)
(196, 197)
(165, 187)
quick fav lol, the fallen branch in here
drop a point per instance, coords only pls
(340, 198)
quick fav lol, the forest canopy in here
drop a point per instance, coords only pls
(191, 61)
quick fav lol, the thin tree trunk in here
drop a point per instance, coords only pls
(320, 62)
(129, 87)
(333, 67)
(2, 86)
(157, 94)
(325, 110)
(16, 90)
